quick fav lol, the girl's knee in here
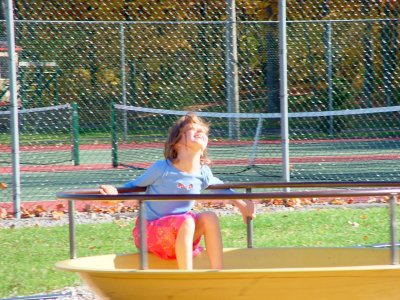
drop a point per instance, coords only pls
(208, 218)
(211, 215)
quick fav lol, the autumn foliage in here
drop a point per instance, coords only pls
(59, 210)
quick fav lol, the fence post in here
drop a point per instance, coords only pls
(114, 137)
(12, 63)
(231, 72)
(283, 91)
(75, 134)
(123, 76)
(329, 56)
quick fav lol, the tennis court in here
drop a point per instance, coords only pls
(95, 110)
(319, 160)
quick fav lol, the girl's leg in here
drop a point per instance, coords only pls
(184, 244)
(207, 224)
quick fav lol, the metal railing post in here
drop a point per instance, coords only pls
(249, 227)
(71, 219)
(143, 236)
(393, 229)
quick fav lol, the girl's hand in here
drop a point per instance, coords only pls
(108, 190)
(247, 208)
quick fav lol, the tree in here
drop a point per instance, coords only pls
(368, 58)
(390, 49)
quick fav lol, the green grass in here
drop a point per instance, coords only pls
(28, 254)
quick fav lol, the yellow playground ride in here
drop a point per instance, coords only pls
(250, 273)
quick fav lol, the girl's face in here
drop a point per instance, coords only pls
(195, 136)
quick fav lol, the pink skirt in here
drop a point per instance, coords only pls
(162, 233)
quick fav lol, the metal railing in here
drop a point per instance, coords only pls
(323, 190)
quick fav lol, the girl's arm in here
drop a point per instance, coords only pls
(246, 207)
(146, 179)
(149, 176)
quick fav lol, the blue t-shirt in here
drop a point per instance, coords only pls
(163, 178)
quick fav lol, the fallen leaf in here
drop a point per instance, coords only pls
(266, 202)
(121, 223)
(109, 202)
(88, 208)
(278, 202)
(39, 211)
(293, 202)
(337, 201)
(306, 201)
(60, 206)
(354, 224)
(26, 215)
(3, 213)
(57, 215)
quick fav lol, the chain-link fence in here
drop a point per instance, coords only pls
(343, 80)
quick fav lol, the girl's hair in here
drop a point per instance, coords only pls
(177, 130)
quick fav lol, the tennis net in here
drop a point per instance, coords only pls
(341, 145)
(48, 135)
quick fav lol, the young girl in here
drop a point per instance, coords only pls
(173, 229)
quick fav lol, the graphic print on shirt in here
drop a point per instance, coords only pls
(180, 185)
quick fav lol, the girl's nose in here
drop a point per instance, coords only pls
(201, 130)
